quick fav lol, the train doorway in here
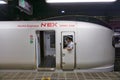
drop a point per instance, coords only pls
(68, 50)
(46, 59)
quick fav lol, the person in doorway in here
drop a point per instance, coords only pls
(69, 43)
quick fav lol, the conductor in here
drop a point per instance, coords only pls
(69, 43)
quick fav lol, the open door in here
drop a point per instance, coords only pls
(46, 50)
(68, 50)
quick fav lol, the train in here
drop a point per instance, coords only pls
(41, 45)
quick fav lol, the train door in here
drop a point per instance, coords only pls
(46, 50)
(68, 51)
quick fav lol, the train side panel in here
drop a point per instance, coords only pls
(94, 46)
(16, 49)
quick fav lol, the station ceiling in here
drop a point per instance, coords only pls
(43, 10)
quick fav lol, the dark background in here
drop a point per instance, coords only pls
(43, 10)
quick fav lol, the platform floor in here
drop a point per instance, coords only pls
(59, 76)
(48, 61)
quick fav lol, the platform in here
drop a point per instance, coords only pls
(60, 75)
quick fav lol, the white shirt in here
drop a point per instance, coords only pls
(70, 45)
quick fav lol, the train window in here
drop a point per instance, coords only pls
(66, 40)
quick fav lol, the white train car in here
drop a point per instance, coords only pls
(41, 45)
